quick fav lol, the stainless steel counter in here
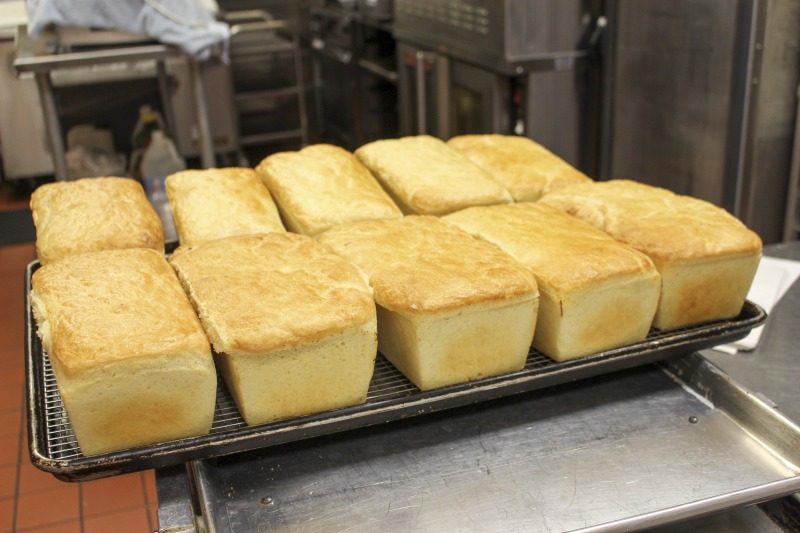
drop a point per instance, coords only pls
(633, 450)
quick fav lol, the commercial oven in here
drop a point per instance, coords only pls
(525, 67)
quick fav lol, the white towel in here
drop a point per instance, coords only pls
(188, 24)
(772, 280)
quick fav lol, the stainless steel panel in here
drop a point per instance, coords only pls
(651, 451)
(672, 94)
(702, 101)
(500, 36)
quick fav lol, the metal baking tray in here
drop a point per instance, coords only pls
(54, 449)
(666, 443)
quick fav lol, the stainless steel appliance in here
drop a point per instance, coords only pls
(519, 66)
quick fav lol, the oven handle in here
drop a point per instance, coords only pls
(422, 127)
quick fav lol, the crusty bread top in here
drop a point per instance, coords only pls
(263, 292)
(220, 202)
(323, 185)
(564, 252)
(100, 308)
(93, 214)
(427, 177)
(526, 168)
(419, 264)
(658, 222)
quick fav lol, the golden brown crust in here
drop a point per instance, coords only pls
(323, 185)
(526, 168)
(419, 264)
(93, 214)
(655, 221)
(565, 253)
(425, 176)
(99, 309)
(220, 202)
(263, 292)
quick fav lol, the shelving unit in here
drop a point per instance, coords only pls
(353, 53)
(267, 72)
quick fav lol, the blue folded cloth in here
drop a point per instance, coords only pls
(188, 24)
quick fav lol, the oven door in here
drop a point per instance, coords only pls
(444, 97)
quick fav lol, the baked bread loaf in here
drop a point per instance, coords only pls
(450, 308)
(130, 358)
(292, 324)
(706, 257)
(424, 176)
(595, 292)
(220, 202)
(526, 168)
(321, 186)
(93, 214)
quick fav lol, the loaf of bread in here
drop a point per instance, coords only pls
(424, 176)
(321, 186)
(595, 292)
(526, 168)
(451, 308)
(293, 325)
(131, 361)
(706, 257)
(220, 202)
(93, 214)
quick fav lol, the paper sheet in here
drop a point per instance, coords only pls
(772, 280)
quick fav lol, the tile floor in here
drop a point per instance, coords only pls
(32, 501)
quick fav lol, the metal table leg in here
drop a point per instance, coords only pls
(53, 124)
(207, 157)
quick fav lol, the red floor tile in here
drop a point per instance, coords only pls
(32, 480)
(6, 514)
(71, 526)
(151, 495)
(48, 508)
(113, 494)
(10, 422)
(11, 395)
(9, 451)
(152, 511)
(132, 521)
(8, 481)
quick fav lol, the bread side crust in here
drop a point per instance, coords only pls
(443, 349)
(322, 375)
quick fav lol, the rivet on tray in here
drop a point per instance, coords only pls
(693, 420)
(266, 500)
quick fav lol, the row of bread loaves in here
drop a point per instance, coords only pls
(449, 307)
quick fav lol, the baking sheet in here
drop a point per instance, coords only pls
(391, 396)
